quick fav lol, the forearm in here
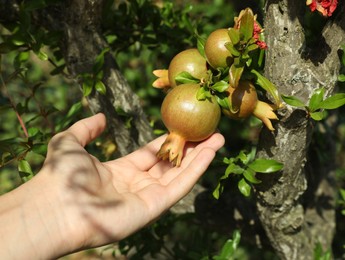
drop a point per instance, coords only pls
(30, 226)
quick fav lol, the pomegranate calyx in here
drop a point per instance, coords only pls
(172, 149)
(264, 112)
(163, 79)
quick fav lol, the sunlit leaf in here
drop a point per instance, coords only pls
(265, 165)
(316, 99)
(268, 86)
(42, 55)
(293, 101)
(232, 49)
(234, 35)
(229, 247)
(87, 87)
(244, 187)
(333, 102)
(341, 77)
(25, 170)
(201, 94)
(318, 115)
(100, 87)
(201, 45)
(233, 168)
(218, 190)
(249, 174)
(185, 77)
(221, 86)
(247, 24)
(235, 74)
(243, 157)
(224, 102)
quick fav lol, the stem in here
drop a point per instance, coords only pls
(20, 119)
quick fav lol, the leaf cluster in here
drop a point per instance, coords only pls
(245, 166)
(93, 81)
(318, 104)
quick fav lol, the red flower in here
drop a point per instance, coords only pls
(325, 7)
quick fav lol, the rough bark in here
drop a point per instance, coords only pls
(293, 224)
(81, 43)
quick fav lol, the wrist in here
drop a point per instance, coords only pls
(32, 222)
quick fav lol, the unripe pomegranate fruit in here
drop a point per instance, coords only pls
(189, 61)
(187, 119)
(243, 99)
(217, 55)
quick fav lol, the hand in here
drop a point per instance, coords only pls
(90, 203)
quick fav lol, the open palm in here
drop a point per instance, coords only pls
(111, 200)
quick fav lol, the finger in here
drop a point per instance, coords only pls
(145, 157)
(160, 170)
(215, 142)
(88, 129)
(183, 183)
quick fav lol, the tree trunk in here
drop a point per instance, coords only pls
(294, 224)
(82, 42)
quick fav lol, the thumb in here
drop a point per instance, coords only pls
(88, 129)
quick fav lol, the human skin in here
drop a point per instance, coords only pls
(77, 202)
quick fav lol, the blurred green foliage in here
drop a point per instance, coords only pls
(37, 100)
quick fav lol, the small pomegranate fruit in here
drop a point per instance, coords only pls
(190, 61)
(187, 119)
(217, 54)
(243, 100)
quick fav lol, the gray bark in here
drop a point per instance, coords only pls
(82, 41)
(293, 224)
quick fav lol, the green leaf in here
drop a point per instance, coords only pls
(268, 86)
(87, 87)
(42, 55)
(230, 247)
(265, 165)
(233, 168)
(316, 99)
(32, 131)
(217, 191)
(244, 187)
(185, 77)
(333, 102)
(342, 193)
(247, 24)
(232, 49)
(99, 61)
(341, 77)
(221, 86)
(318, 115)
(224, 102)
(293, 101)
(40, 148)
(249, 174)
(25, 170)
(234, 35)
(100, 87)
(252, 47)
(201, 94)
(71, 114)
(235, 74)
(200, 43)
